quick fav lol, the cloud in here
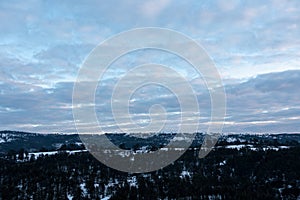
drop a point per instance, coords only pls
(269, 97)
(254, 45)
(258, 104)
(154, 8)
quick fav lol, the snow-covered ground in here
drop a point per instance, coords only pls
(238, 146)
(49, 153)
(37, 154)
(253, 148)
(7, 137)
(233, 139)
(270, 148)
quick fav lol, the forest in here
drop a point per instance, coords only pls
(226, 173)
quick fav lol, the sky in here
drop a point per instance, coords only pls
(255, 46)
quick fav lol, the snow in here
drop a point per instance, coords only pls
(233, 139)
(230, 140)
(185, 173)
(214, 197)
(111, 183)
(132, 181)
(176, 149)
(179, 149)
(270, 148)
(37, 154)
(58, 145)
(19, 186)
(140, 151)
(49, 153)
(83, 188)
(69, 196)
(146, 175)
(238, 146)
(122, 153)
(76, 151)
(223, 163)
(179, 139)
(5, 139)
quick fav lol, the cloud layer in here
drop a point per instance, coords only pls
(255, 45)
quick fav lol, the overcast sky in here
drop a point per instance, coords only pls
(254, 44)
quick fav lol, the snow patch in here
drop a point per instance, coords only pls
(185, 173)
(132, 181)
(69, 196)
(83, 188)
(223, 163)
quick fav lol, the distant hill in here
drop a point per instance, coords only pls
(14, 140)
(33, 142)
